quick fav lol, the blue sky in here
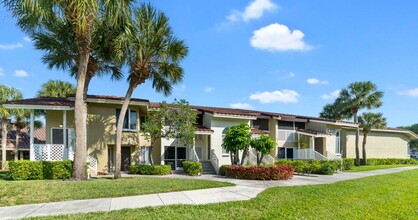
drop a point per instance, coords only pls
(282, 56)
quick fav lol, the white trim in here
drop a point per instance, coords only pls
(335, 123)
(204, 132)
(312, 135)
(108, 101)
(38, 107)
(31, 135)
(216, 115)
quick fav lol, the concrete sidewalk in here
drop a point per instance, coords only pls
(244, 190)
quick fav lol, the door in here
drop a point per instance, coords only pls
(289, 153)
(174, 156)
(126, 158)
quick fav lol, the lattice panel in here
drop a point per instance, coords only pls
(56, 152)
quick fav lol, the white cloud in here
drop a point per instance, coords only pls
(332, 95)
(292, 74)
(284, 96)
(10, 46)
(180, 89)
(209, 89)
(314, 81)
(277, 38)
(254, 10)
(241, 106)
(410, 92)
(1, 72)
(21, 73)
(27, 39)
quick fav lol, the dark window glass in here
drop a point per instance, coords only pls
(300, 125)
(132, 120)
(281, 153)
(57, 136)
(262, 124)
(170, 153)
(129, 122)
(142, 119)
(285, 125)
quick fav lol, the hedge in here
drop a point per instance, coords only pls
(192, 168)
(277, 172)
(389, 161)
(38, 170)
(150, 169)
(327, 167)
(222, 170)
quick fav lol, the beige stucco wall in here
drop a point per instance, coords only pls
(101, 131)
(379, 144)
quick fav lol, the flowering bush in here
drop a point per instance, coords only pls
(279, 172)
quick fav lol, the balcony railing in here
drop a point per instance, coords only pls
(286, 135)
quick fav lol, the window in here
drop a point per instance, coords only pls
(142, 119)
(57, 136)
(262, 124)
(224, 151)
(337, 144)
(129, 123)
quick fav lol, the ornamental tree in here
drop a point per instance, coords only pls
(237, 138)
(263, 145)
(174, 120)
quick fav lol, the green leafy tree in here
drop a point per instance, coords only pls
(170, 121)
(237, 138)
(263, 145)
(81, 17)
(357, 96)
(6, 94)
(368, 121)
(414, 128)
(56, 88)
(151, 51)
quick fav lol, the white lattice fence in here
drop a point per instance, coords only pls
(92, 163)
(49, 152)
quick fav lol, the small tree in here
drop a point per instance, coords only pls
(369, 120)
(263, 145)
(237, 138)
(176, 120)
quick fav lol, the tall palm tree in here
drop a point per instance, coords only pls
(81, 15)
(6, 94)
(334, 111)
(357, 96)
(151, 51)
(56, 88)
(368, 121)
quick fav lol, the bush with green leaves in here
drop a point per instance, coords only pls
(192, 168)
(390, 161)
(327, 167)
(348, 163)
(221, 171)
(144, 169)
(38, 170)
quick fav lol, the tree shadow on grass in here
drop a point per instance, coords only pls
(5, 175)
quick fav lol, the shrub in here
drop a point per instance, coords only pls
(37, 170)
(150, 169)
(221, 171)
(313, 166)
(348, 163)
(389, 161)
(192, 168)
(278, 172)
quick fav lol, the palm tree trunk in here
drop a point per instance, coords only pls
(119, 128)
(357, 140)
(364, 148)
(17, 144)
(3, 144)
(80, 119)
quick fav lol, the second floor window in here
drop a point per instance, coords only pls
(130, 120)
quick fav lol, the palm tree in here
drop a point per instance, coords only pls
(334, 111)
(151, 51)
(81, 17)
(359, 95)
(22, 119)
(56, 88)
(6, 94)
(368, 121)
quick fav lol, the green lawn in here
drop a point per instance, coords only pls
(392, 196)
(376, 167)
(38, 191)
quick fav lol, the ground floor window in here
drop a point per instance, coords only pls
(145, 151)
(24, 155)
(174, 156)
(285, 153)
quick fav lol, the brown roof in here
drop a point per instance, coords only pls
(24, 141)
(48, 101)
(118, 98)
(204, 129)
(258, 131)
(308, 131)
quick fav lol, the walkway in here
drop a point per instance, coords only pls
(244, 190)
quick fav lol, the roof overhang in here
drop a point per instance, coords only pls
(38, 107)
(411, 134)
(294, 119)
(312, 135)
(118, 102)
(245, 117)
(335, 123)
